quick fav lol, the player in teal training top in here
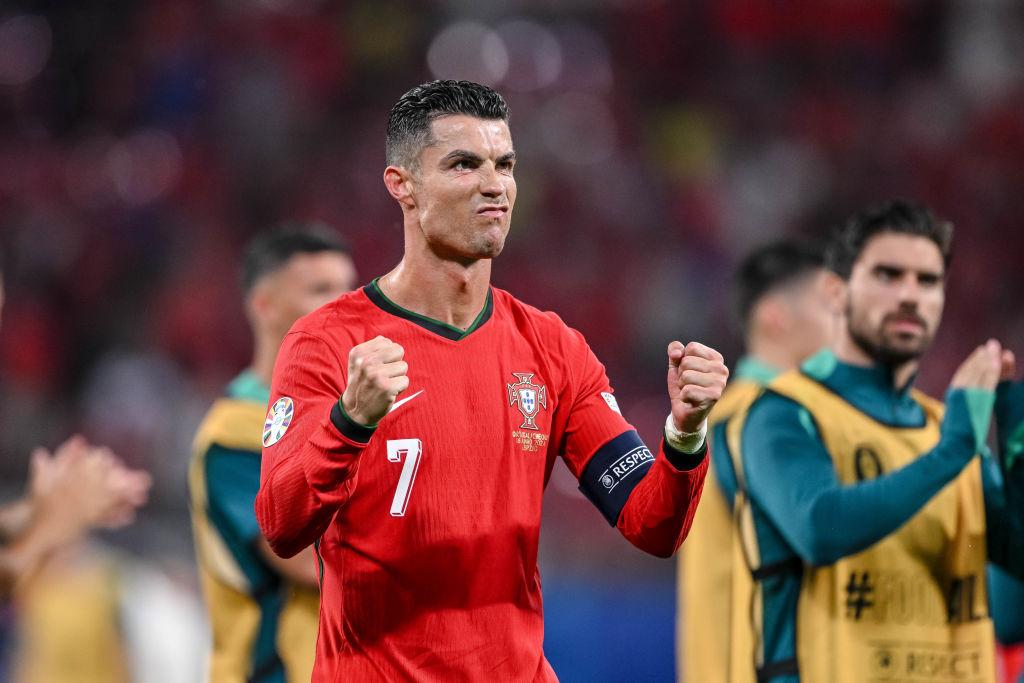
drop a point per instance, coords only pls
(1006, 593)
(263, 609)
(870, 515)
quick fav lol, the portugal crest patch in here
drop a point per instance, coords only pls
(529, 398)
(278, 418)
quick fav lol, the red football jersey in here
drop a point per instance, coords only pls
(428, 524)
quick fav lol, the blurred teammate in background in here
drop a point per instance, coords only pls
(864, 514)
(263, 609)
(427, 509)
(77, 488)
(1006, 592)
(784, 311)
(1006, 604)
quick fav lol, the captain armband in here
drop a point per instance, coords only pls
(614, 471)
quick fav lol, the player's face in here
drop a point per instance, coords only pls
(464, 190)
(895, 297)
(305, 283)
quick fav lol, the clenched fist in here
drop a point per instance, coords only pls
(376, 375)
(696, 379)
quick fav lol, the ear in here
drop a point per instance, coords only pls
(769, 315)
(400, 185)
(258, 304)
(834, 288)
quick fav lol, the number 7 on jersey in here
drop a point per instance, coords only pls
(412, 449)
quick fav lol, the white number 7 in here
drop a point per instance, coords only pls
(412, 449)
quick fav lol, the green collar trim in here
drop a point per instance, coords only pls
(249, 387)
(445, 330)
(869, 389)
(755, 370)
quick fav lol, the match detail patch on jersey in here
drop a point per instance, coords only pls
(279, 417)
(610, 400)
(528, 397)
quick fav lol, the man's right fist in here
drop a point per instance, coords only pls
(376, 375)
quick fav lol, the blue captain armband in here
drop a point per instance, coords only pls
(614, 471)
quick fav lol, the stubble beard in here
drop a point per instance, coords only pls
(488, 245)
(467, 249)
(879, 349)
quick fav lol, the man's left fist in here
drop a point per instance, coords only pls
(696, 379)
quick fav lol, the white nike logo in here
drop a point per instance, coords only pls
(405, 400)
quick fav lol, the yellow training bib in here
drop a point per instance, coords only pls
(913, 607)
(706, 634)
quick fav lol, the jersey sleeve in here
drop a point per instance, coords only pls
(1006, 595)
(593, 424)
(1003, 479)
(232, 480)
(1009, 414)
(649, 498)
(310, 470)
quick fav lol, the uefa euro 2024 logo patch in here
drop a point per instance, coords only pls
(530, 398)
(278, 418)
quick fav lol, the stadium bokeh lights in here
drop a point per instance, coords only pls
(25, 45)
(535, 55)
(470, 51)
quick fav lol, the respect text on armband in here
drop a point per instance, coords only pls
(625, 466)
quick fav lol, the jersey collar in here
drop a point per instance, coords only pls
(867, 388)
(445, 330)
(755, 370)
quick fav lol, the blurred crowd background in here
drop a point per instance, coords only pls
(142, 142)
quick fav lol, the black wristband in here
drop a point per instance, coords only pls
(348, 427)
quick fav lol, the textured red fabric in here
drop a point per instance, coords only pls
(448, 590)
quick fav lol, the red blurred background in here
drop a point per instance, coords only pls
(142, 143)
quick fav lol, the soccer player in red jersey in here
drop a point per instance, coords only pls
(425, 509)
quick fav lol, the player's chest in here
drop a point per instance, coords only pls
(473, 432)
(863, 449)
(498, 392)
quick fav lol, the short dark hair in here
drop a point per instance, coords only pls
(409, 123)
(895, 216)
(272, 249)
(771, 266)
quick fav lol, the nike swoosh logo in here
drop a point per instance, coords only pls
(404, 400)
